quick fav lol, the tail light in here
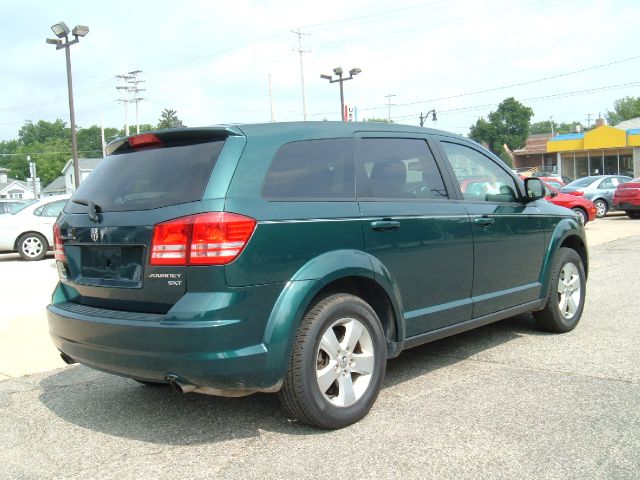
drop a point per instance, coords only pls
(215, 238)
(577, 193)
(58, 246)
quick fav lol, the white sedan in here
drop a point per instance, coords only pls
(29, 231)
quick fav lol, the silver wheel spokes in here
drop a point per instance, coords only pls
(569, 290)
(32, 247)
(601, 209)
(345, 362)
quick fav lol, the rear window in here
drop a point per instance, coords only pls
(148, 179)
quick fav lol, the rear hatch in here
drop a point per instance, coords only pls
(103, 239)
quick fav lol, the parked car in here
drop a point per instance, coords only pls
(580, 205)
(10, 205)
(599, 189)
(298, 257)
(627, 198)
(29, 231)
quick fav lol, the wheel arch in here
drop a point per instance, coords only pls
(569, 235)
(343, 271)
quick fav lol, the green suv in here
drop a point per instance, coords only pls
(298, 257)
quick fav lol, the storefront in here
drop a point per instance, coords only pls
(603, 150)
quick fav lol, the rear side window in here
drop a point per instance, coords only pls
(148, 179)
(398, 168)
(312, 169)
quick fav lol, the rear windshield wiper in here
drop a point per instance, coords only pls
(93, 208)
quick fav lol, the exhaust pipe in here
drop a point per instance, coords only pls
(67, 359)
(179, 384)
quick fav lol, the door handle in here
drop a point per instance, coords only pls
(484, 221)
(385, 225)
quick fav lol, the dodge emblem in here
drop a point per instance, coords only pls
(94, 234)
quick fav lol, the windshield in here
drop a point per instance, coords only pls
(148, 179)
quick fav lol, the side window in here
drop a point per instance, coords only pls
(479, 177)
(606, 183)
(53, 209)
(38, 211)
(312, 169)
(402, 168)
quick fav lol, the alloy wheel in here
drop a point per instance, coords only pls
(345, 362)
(569, 290)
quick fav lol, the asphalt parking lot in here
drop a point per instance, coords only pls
(504, 401)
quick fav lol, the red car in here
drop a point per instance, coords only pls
(627, 198)
(580, 205)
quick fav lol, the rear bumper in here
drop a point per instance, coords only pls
(206, 352)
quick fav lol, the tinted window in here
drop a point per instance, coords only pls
(312, 169)
(149, 179)
(479, 177)
(401, 168)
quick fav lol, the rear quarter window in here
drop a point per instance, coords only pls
(312, 170)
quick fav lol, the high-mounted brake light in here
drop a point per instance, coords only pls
(58, 246)
(144, 140)
(214, 238)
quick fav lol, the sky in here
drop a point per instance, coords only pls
(211, 61)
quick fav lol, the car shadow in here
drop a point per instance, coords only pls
(122, 407)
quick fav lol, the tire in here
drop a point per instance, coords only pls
(601, 208)
(583, 215)
(567, 290)
(633, 213)
(337, 365)
(32, 246)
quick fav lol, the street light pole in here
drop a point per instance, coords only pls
(62, 31)
(338, 71)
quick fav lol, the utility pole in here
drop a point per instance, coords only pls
(388, 97)
(589, 120)
(551, 122)
(299, 33)
(32, 171)
(130, 84)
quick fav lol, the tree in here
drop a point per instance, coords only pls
(624, 109)
(509, 125)
(558, 128)
(169, 119)
(43, 131)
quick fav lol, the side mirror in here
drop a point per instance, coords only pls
(534, 188)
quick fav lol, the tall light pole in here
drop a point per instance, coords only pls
(424, 117)
(62, 32)
(338, 71)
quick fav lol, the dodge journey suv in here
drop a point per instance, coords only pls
(298, 257)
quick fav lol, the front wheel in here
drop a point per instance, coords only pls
(337, 365)
(567, 289)
(32, 246)
(601, 208)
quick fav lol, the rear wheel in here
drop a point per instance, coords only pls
(32, 246)
(567, 289)
(633, 213)
(337, 365)
(601, 208)
(583, 215)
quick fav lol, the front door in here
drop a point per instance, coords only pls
(508, 234)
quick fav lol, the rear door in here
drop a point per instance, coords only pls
(410, 225)
(108, 225)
